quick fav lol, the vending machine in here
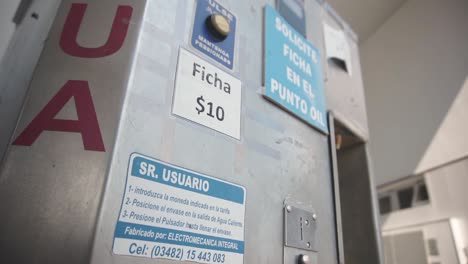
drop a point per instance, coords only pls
(200, 131)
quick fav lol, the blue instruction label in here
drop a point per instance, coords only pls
(293, 73)
(173, 213)
(221, 51)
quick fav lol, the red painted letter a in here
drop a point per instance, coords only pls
(87, 124)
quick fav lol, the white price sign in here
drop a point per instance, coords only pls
(207, 95)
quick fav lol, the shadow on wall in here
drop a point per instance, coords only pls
(414, 69)
(449, 143)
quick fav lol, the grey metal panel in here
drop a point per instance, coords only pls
(373, 198)
(336, 189)
(361, 231)
(344, 93)
(313, 11)
(278, 157)
(19, 62)
(50, 191)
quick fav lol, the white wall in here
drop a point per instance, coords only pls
(7, 27)
(414, 68)
(398, 252)
(447, 188)
(365, 16)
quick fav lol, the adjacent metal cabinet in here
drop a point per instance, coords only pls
(345, 93)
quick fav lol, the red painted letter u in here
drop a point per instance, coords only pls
(114, 42)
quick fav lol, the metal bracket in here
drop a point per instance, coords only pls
(300, 228)
(21, 11)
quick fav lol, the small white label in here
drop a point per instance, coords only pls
(207, 95)
(336, 46)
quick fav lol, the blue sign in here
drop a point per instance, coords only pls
(221, 51)
(167, 210)
(293, 73)
(168, 236)
(216, 188)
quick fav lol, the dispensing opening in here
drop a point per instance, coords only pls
(354, 197)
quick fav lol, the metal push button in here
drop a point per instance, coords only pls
(303, 259)
(218, 26)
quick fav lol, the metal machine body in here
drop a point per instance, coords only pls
(61, 192)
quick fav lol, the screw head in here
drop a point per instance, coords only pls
(288, 208)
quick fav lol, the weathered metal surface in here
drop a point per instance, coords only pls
(50, 191)
(62, 200)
